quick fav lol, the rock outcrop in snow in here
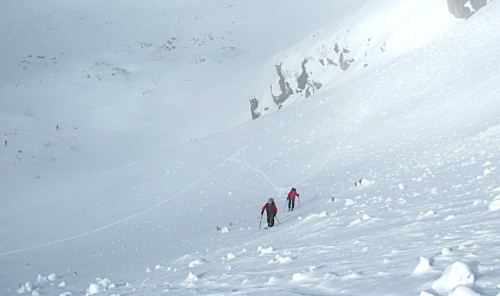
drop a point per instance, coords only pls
(357, 44)
(465, 8)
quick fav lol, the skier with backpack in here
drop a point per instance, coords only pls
(271, 209)
(291, 199)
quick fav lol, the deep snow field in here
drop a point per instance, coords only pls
(158, 151)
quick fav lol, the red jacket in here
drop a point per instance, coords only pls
(275, 209)
(292, 195)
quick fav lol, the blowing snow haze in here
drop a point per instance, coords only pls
(141, 140)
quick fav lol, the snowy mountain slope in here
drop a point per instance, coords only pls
(127, 71)
(124, 81)
(433, 175)
(423, 129)
(377, 33)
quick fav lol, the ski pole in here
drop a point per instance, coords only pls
(285, 205)
(260, 221)
(277, 219)
(298, 198)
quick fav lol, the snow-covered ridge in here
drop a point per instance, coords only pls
(376, 34)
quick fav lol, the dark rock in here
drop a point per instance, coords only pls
(459, 10)
(254, 104)
(303, 78)
(344, 63)
(286, 90)
(336, 49)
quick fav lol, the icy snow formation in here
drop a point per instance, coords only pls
(423, 267)
(455, 275)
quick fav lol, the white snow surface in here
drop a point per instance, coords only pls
(151, 102)
(457, 274)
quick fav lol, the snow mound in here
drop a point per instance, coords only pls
(191, 277)
(455, 275)
(41, 279)
(105, 283)
(281, 260)
(197, 262)
(272, 280)
(263, 251)
(446, 252)
(463, 291)
(285, 260)
(423, 267)
(423, 293)
(52, 277)
(349, 202)
(366, 182)
(429, 215)
(314, 216)
(224, 230)
(299, 277)
(94, 289)
(101, 285)
(28, 287)
(351, 276)
(495, 204)
(35, 293)
(63, 284)
(355, 222)
(477, 202)
(230, 256)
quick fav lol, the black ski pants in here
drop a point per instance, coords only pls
(270, 220)
(291, 204)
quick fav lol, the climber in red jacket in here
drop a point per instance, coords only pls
(291, 199)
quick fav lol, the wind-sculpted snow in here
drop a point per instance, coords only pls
(457, 274)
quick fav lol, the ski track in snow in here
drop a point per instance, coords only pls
(124, 219)
(263, 176)
(279, 191)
